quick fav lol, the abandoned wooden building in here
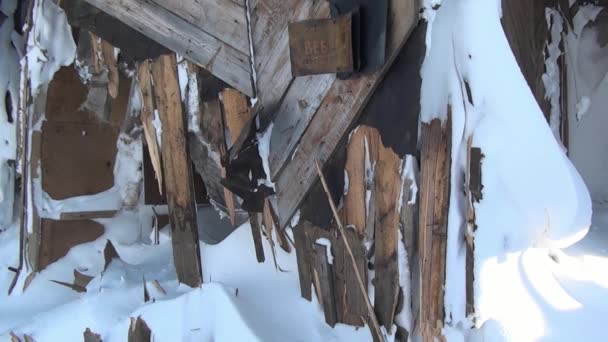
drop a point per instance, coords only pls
(301, 117)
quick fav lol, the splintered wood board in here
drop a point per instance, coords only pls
(338, 108)
(210, 33)
(77, 159)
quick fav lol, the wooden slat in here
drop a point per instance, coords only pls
(223, 19)
(302, 245)
(350, 304)
(139, 331)
(256, 232)
(387, 183)
(363, 144)
(147, 118)
(433, 220)
(172, 31)
(236, 112)
(474, 195)
(341, 106)
(177, 172)
(323, 273)
(301, 102)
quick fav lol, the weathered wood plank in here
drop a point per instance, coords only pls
(147, 118)
(323, 274)
(139, 331)
(236, 113)
(272, 53)
(341, 106)
(177, 172)
(301, 102)
(223, 19)
(474, 188)
(350, 304)
(387, 183)
(433, 220)
(172, 31)
(363, 145)
(256, 232)
(302, 245)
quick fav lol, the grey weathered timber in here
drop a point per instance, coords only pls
(223, 19)
(341, 106)
(271, 46)
(212, 53)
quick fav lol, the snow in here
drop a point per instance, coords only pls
(50, 44)
(241, 300)
(582, 107)
(325, 242)
(533, 197)
(295, 219)
(158, 127)
(551, 78)
(264, 151)
(404, 318)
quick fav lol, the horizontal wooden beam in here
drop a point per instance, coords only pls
(191, 41)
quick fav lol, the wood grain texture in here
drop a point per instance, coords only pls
(139, 331)
(177, 172)
(303, 252)
(236, 112)
(363, 144)
(271, 46)
(387, 182)
(255, 220)
(190, 41)
(340, 107)
(223, 19)
(433, 220)
(147, 118)
(323, 272)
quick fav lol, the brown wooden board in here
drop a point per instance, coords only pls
(433, 220)
(319, 46)
(177, 173)
(57, 237)
(77, 158)
(388, 186)
(303, 251)
(324, 279)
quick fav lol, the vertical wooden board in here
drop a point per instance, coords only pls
(323, 272)
(147, 119)
(434, 202)
(350, 304)
(139, 331)
(363, 144)
(69, 168)
(65, 96)
(57, 237)
(236, 112)
(302, 245)
(177, 173)
(256, 232)
(387, 182)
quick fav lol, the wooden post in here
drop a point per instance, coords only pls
(434, 205)
(474, 194)
(177, 171)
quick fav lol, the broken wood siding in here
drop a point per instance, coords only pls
(341, 105)
(177, 172)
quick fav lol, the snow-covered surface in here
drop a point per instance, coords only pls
(241, 299)
(325, 242)
(533, 198)
(50, 44)
(551, 77)
(264, 151)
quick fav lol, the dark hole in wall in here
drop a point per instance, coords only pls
(9, 107)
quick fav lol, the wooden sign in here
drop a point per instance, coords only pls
(321, 46)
